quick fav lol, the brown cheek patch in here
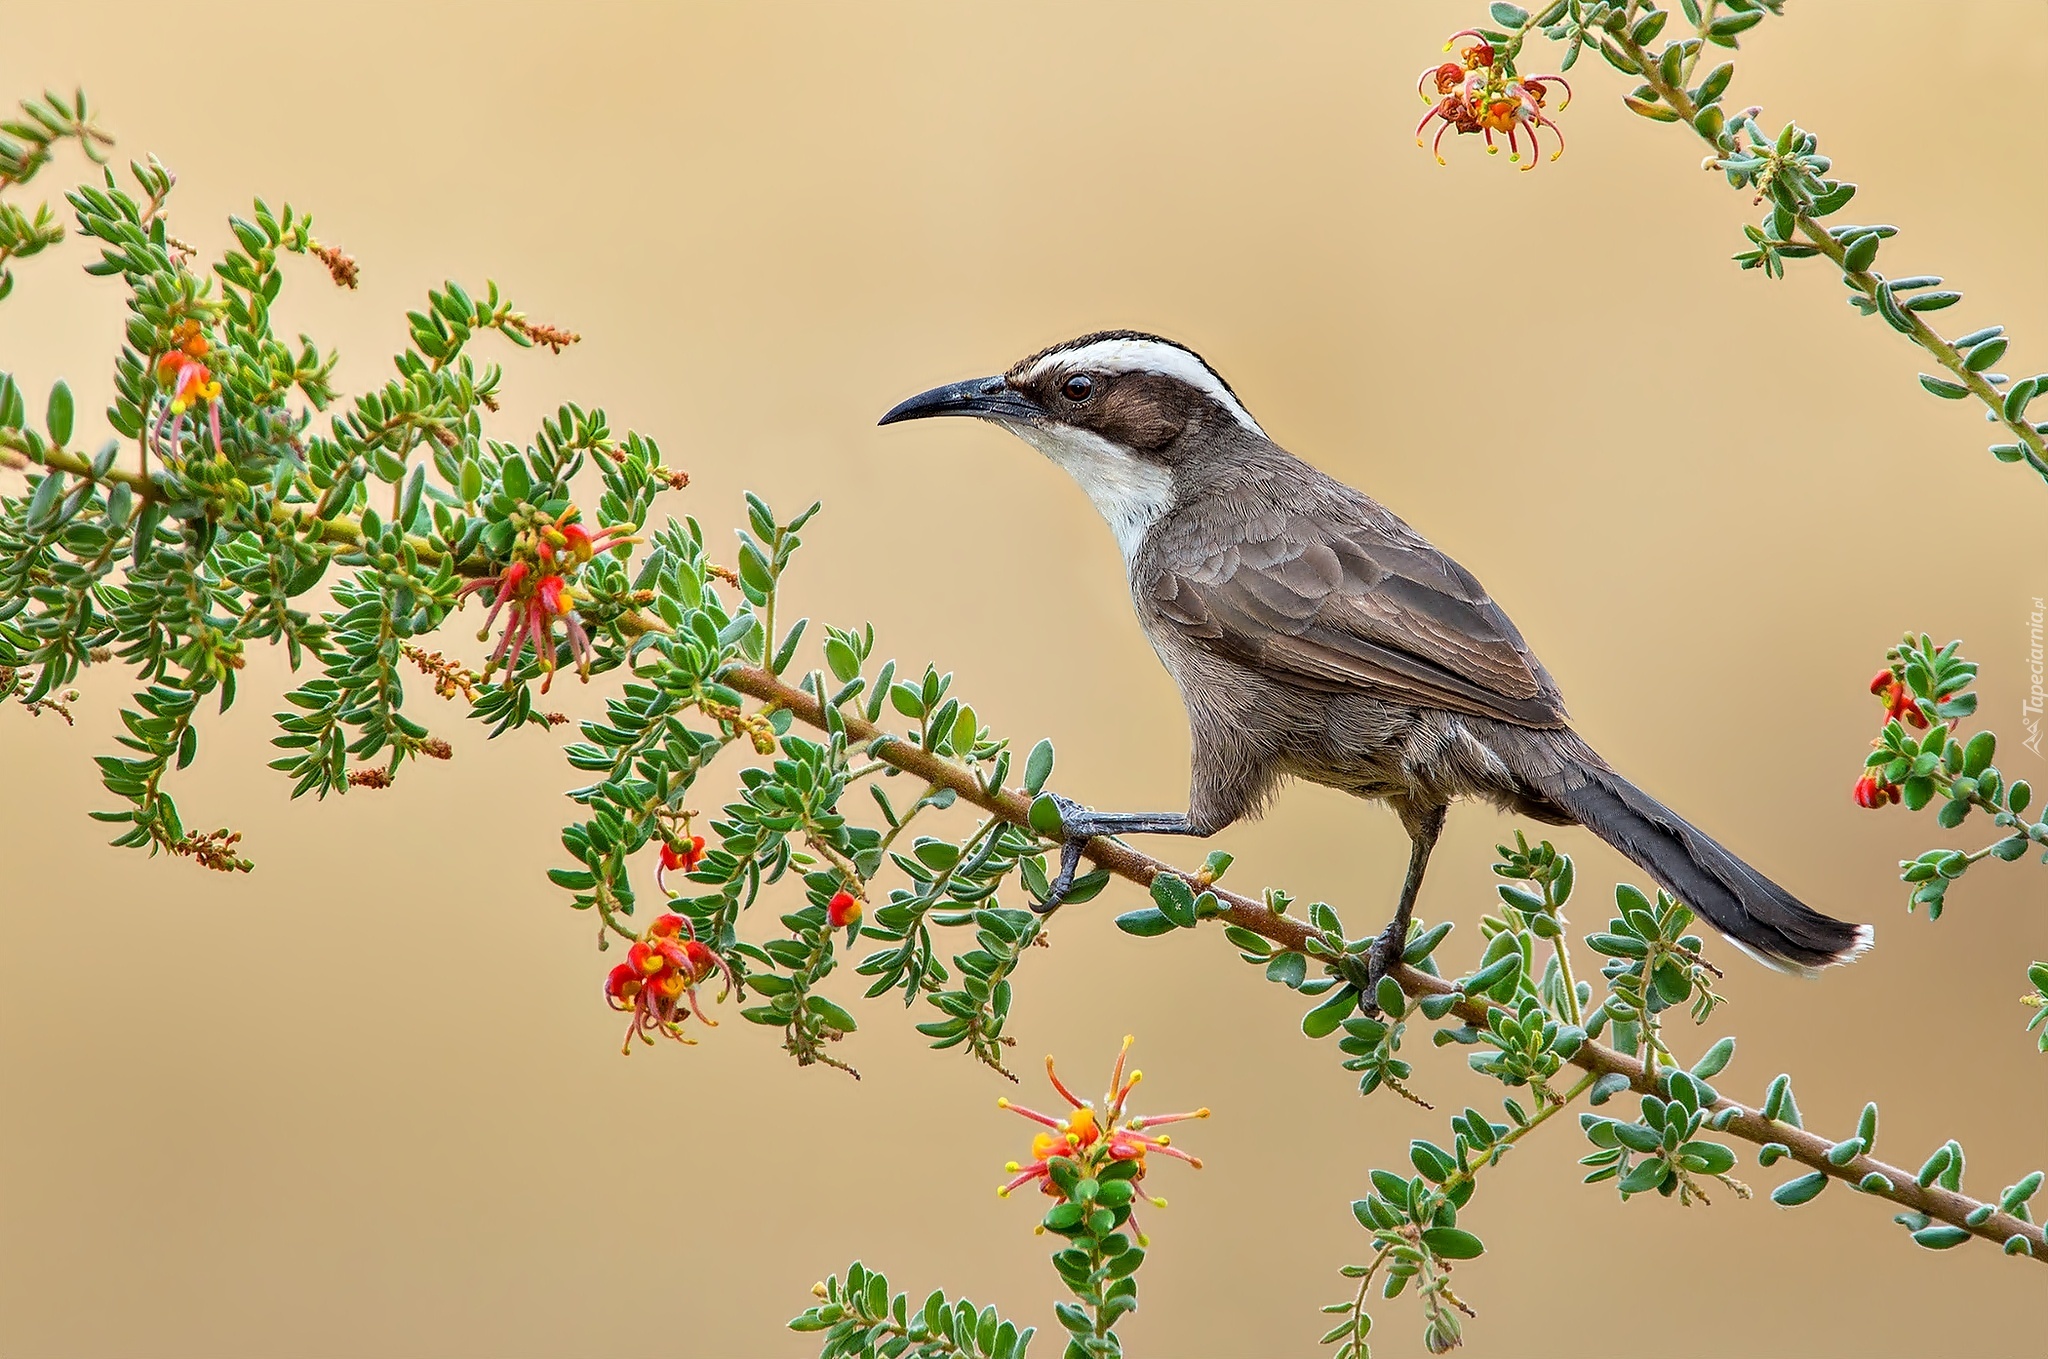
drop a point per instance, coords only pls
(1142, 411)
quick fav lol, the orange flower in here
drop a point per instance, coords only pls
(1093, 1140)
(186, 382)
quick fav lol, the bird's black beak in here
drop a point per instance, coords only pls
(991, 398)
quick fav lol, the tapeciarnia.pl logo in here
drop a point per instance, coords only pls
(2031, 705)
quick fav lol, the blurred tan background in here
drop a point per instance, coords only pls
(368, 1099)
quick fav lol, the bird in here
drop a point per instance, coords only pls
(1314, 635)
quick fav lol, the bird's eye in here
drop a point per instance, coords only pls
(1079, 387)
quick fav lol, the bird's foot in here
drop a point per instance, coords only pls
(1071, 846)
(1381, 960)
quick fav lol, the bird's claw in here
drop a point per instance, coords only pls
(1380, 961)
(1070, 855)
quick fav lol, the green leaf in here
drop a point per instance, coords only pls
(42, 506)
(57, 419)
(1792, 1193)
(1432, 1162)
(1984, 355)
(1644, 1176)
(1450, 1243)
(1322, 1021)
(1508, 16)
(1728, 25)
(1716, 1060)
(1289, 969)
(1045, 815)
(1174, 899)
(830, 1015)
(1038, 768)
(1833, 200)
(1716, 83)
(1710, 1158)
(1940, 1237)
(1147, 922)
(1860, 253)
(1942, 387)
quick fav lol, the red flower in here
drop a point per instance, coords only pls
(186, 382)
(657, 984)
(566, 538)
(1480, 96)
(1898, 699)
(1094, 1140)
(1873, 791)
(683, 856)
(844, 909)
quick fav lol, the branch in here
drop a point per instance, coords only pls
(2009, 411)
(341, 528)
(1809, 1149)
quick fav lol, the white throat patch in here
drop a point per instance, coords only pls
(1149, 356)
(1129, 492)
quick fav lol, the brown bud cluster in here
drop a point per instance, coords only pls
(340, 266)
(555, 338)
(214, 850)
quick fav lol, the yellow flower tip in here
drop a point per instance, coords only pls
(1002, 1193)
(1129, 1039)
(1447, 45)
(1136, 1076)
(1039, 1230)
(1195, 1161)
(1144, 1240)
(1158, 1203)
(1164, 1139)
(1002, 1102)
(1202, 1112)
(1492, 150)
(818, 1291)
(1012, 1167)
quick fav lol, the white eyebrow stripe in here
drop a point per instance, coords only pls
(1149, 356)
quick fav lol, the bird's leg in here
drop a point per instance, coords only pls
(1078, 826)
(1424, 825)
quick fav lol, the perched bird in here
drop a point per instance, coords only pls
(1314, 635)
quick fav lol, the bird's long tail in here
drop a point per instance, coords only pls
(1757, 916)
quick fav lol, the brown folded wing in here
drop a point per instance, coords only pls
(1354, 600)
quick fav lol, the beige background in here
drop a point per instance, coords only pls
(368, 1099)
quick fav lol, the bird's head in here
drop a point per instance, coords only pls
(1119, 410)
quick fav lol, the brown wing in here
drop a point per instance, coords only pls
(1345, 598)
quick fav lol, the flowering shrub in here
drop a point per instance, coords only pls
(237, 499)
